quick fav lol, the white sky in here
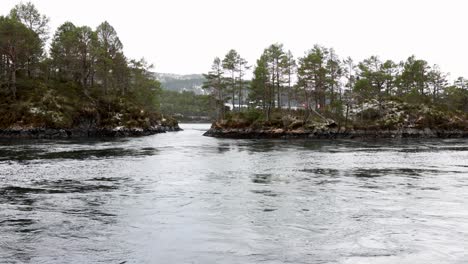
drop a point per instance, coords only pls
(183, 36)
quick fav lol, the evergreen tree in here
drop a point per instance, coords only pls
(312, 77)
(63, 51)
(414, 77)
(28, 15)
(17, 45)
(288, 64)
(259, 88)
(231, 66)
(109, 47)
(241, 68)
(437, 81)
(216, 84)
(275, 55)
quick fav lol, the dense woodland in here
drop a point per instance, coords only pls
(322, 84)
(187, 106)
(78, 77)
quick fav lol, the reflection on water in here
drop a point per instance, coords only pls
(10, 154)
(183, 198)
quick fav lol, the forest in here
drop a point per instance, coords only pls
(187, 106)
(321, 85)
(78, 77)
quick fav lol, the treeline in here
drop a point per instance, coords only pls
(321, 82)
(186, 105)
(83, 69)
(181, 83)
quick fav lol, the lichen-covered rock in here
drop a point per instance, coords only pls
(372, 119)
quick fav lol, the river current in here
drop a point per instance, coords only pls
(183, 198)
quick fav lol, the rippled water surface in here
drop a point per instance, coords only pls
(183, 198)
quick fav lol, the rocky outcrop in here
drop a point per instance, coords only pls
(371, 119)
(333, 133)
(18, 132)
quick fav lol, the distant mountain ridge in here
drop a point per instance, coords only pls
(181, 82)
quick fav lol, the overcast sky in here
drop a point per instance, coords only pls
(183, 36)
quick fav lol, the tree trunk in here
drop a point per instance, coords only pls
(233, 83)
(220, 111)
(307, 108)
(240, 89)
(28, 67)
(264, 101)
(289, 89)
(278, 84)
(346, 117)
(13, 80)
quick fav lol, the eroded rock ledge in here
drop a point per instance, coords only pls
(48, 133)
(249, 133)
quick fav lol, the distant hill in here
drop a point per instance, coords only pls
(179, 83)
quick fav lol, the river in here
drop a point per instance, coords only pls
(183, 198)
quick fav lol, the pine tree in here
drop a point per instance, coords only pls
(216, 85)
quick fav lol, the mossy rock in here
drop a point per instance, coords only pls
(296, 124)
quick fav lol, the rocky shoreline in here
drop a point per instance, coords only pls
(249, 133)
(49, 133)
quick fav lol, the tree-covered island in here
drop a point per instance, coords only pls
(78, 83)
(321, 95)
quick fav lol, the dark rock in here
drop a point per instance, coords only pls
(332, 133)
(50, 133)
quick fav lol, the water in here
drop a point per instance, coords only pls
(183, 198)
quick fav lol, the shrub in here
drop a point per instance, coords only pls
(252, 115)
